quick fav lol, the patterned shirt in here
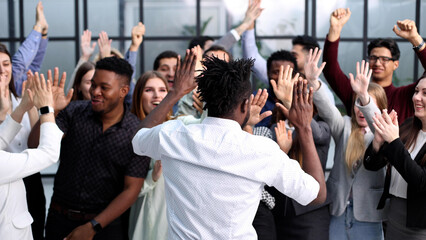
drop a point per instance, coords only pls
(93, 163)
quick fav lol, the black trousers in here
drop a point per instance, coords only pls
(59, 226)
(36, 202)
(264, 223)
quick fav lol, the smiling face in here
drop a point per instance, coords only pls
(419, 100)
(382, 71)
(86, 83)
(167, 68)
(153, 93)
(5, 68)
(107, 91)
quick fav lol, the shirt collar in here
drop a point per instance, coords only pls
(223, 122)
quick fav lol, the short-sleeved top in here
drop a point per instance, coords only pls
(93, 163)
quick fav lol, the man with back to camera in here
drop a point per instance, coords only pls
(214, 171)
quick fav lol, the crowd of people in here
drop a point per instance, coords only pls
(188, 151)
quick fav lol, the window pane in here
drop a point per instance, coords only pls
(153, 48)
(281, 18)
(60, 54)
(383, 14)
(59, 16)
(103, 15)
(353, 28)
(170, 18)
(403, 75)
(214, 18)
(138, 61)
(131, 16)
(5, 24)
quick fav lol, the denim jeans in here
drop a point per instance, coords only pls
(346, 227)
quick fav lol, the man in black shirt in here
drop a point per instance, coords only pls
(99, 176)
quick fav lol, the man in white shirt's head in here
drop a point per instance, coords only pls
(214, 171)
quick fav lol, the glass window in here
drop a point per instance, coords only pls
(60, 54)
(5, 24)
(383, 14)
(349, 54)
(153, 48)
(103, 15)
(170, 18)
(268, 46)
(214, 18)
(403, 75)
(423, 18)
(58, 15)
(354, 26)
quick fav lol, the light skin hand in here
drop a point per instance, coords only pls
(104, 44)
(197, 104)
(338, 19)
(199, 65)
(158, 170)
(60, 100)
(252, 13)
(83, 232)
(283, 87)
(87, 48)
(378, 139)
(41, 22)
(137, 36)
(312, 71)
(284, 136)
(257, 103)
(360, 83)
(407, 29)
(388, 129)
(5, 101)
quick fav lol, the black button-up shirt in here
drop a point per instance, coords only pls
(93, 163)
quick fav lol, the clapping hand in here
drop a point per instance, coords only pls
(387, 126)
(60, 100)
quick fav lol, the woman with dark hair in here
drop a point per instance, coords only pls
(83, 81)
(403, 151)
(148, 214)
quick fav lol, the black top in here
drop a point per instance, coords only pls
(414, 172)
(93, 163)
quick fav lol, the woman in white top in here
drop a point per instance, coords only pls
(15, 220)
(404, 152)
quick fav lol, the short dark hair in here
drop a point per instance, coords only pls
(165, 54)
(281, 55)
(217, 48)
(388, 43)
(117, 65)
(12, 89)
(223, 86)
(201, 40)
(307, 42)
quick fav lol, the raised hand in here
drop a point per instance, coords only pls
(41, 22)
(312, 71)
(26, 101)
(252, 13)
(87, 47)
(360, 83)
(104, 44)
(157, 171)
(41, 91)
(284, 136)
(60, 100)
(137, 36)
(184, 78)
(5, 100)
(283, 87)
(301, 110)
(257, 103)
(407, 29)
(388, 129)
(338, 19)
(197, 103)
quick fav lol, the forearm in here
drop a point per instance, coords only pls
(33, 137)
(334, 33)
(311, 162)
(373, 159)
(39, 57)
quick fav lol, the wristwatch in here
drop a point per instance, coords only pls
(96, 226)
(45, 110)
(417, 48)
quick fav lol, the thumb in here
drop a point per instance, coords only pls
(283, 109)
(289, 134)
(265, 114)
(274, 85)
(396, 30)
(69, 94)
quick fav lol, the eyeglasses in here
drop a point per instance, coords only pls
(383, 60)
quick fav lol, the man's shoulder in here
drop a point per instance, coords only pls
(79, 105)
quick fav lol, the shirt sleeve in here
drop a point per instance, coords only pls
(22, 59)
(15, 166)
(250, 50)
(146, 142)
(8, 130)
(228, 40)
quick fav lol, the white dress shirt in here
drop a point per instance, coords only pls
(214, 175)
(15, 220)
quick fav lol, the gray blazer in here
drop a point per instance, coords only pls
(367, 186)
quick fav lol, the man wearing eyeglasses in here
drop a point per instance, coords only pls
(383, 56)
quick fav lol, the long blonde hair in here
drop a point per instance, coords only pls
(355, 148)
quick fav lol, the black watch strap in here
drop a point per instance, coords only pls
(96, 226)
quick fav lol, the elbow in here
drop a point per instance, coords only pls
(321, 197)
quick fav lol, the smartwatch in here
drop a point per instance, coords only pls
(96, 226)
(45, 110)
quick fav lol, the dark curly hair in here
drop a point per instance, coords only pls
(223, 86)
(388, 43)
(201, 40)
(117, 65)
(281, 55)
